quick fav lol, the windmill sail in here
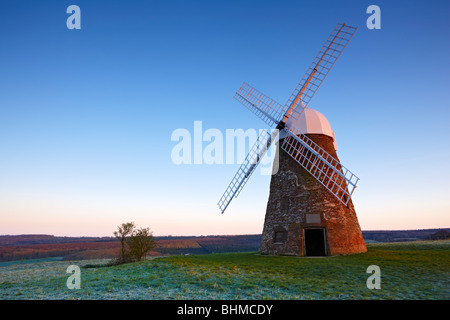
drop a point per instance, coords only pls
(340, 181)
(318, 70)
(246, 169)
(326, 169)
(265, 108)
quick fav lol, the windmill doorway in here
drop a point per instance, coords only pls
(315, 242)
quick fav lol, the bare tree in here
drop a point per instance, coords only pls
(140, 243)
(125, 230)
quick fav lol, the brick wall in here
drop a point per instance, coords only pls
(297, 201)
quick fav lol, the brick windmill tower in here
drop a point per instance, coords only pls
(309, 211)
(303, 217)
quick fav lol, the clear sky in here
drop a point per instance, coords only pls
(86, 116)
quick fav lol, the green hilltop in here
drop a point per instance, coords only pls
(408, 270)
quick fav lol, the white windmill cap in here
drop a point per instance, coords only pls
(313, 122)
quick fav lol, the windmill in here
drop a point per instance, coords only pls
(309, 211)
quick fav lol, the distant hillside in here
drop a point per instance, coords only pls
(45, 250)
(440, 235)
(18, 247)
(400, 235)
(29, 239)
(38, 246)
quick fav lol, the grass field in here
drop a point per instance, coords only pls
(409, 270)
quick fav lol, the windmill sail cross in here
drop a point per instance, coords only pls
(322, 166)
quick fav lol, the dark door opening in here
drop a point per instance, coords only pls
(315, 242)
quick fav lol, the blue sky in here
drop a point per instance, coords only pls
(86, 116)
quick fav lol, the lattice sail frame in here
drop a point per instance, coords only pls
(326, 169)
(246, 169)
(336, 178)
(318, 70)
(264, 107)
